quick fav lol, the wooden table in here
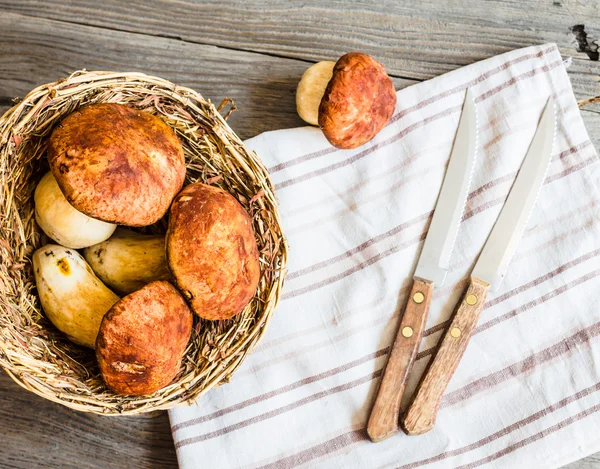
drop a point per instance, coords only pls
(254, 52)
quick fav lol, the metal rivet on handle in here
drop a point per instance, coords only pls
(455, 332)
(407, 331)
(471, 300)
(418, 297)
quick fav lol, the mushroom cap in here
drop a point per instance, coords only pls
(142, 339)
(117, 164)
(358, 101)
(212, 252)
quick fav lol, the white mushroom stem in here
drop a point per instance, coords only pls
(311, 90)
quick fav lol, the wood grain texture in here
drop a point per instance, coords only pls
(37, 433)
(418, 39)
(37, 51)
(421, 412)
(591, 462)
(591, 119)
(383, 421)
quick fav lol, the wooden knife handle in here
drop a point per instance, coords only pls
(420, 414)
(383, 421)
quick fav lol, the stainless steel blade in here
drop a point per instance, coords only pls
(435, 256)
(504, 237)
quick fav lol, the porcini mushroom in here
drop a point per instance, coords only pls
(142, 339)
(73, 298)
(212, 252)
(359, 100)
(117, 164)
(356, 104)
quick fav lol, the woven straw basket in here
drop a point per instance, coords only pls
(35, 354)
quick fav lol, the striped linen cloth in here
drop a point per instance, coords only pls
(527, 392)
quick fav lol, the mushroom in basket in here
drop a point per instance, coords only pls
(117, 164)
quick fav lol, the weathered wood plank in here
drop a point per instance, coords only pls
(592, 124)
(418, 39)
(36, 433)
(591, 462)
(36, 51)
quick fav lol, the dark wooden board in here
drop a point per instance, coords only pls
(418, 39)
(38, 434)
(37, 51)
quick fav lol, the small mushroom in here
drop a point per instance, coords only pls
(357, 102)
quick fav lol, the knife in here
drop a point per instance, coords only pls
(430, 272)
(487, 274)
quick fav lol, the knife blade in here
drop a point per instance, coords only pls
(488, 272)
(437, 248)
(430, 273)
(506, 234)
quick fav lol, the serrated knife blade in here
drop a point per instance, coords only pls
(506, 233)
(437, 248)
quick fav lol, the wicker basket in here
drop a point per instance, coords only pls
(35, 354)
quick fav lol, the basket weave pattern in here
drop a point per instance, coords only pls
(34, 353)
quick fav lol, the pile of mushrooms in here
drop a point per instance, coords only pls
(131, 296)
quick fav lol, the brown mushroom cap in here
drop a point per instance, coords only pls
(117, 164)
(142, 339)
(212, 252)
(359, 100)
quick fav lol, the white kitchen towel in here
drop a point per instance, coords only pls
(527, 392)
